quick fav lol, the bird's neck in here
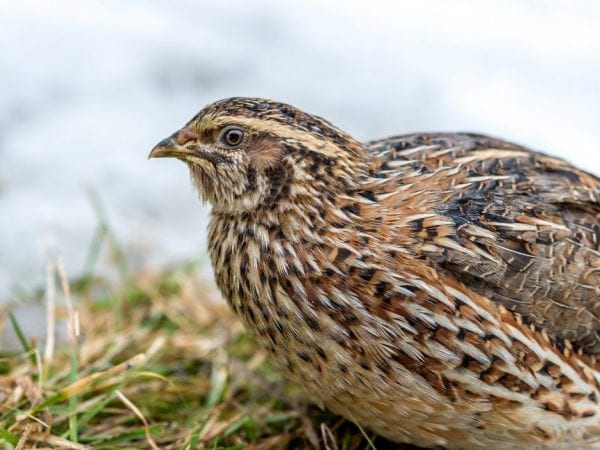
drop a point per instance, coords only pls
(250, 250)
(302, 221)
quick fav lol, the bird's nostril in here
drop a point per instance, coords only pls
(183, 136)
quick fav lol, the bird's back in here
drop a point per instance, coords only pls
(517, 226)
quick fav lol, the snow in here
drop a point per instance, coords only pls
(87, 88)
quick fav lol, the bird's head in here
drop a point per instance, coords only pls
(249, 153)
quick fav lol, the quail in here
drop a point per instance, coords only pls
(439, 289)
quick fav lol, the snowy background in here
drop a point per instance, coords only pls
(87, 88)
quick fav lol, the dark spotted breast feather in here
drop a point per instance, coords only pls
(524, 227)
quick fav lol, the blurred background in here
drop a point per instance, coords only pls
(88, 87)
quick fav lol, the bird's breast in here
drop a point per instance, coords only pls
(344, 325)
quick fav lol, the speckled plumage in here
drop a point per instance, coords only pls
(439, 289)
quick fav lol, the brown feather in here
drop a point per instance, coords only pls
(542, 259)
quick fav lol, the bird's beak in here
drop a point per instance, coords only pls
(174, 145)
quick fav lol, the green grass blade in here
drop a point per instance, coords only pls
(21, 338)
(8, 437)
(74, 399)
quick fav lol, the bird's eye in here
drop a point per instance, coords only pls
(232, 136)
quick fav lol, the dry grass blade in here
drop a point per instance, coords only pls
(58, 442)
(50, 311)
(138, 413)
(328, 440)
(25, 436)
(85, 383)
(73, 322)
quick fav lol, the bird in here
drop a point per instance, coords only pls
(439, 289)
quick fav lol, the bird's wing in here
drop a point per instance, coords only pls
(520, 227)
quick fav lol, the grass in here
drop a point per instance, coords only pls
(156, 361)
